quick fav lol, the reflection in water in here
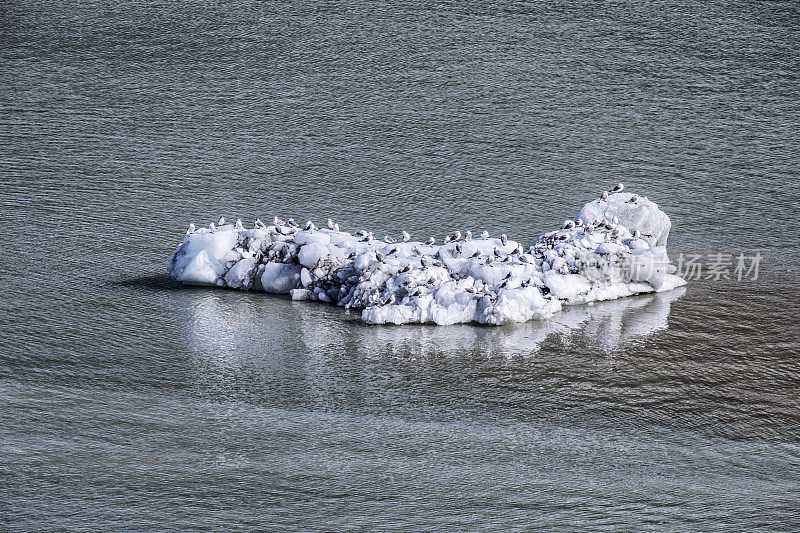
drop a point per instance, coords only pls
(223, 322)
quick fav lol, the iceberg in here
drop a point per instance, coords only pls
(616, 247)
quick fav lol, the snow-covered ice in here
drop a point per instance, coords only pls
(615, 248)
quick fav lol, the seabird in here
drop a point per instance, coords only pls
(406, 236)
(455, 236)
(633, 199)
(239, 224)
(458, 247)
(292, 223)
(310, 226)
(618, 188)
(476, 254)
(221, 221)
(468, 236)
(524, 259)
(404, 269)
(424, 261)
(503, 239)
(390, 240)
(508, 275)
(416, 250)
(636, 234)
(330, 224)
(568, 224)
(615, 220)
(446, 239)
(431, 241)
(496, 252)
(277, 221)
(190, 230)
(260, 224)
(484, 235)
(212, 227)
(379, 256)
(604, 196)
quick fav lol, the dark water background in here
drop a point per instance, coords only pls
(128, 403)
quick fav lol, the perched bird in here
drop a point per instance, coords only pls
(455, 236)
(239, 224)
(633, 199)
(390, 240)
(458, 247)
(336, 228)
(221, 221)
(278, 222)
(424, 261)
(404, 269)
(379, 256)
(578, 222)
(190, 230)
(431, 241)
(636, 234)
(330, 224)
(259, 224)
(484, 235)
(604, 196)
(569, 224)
(503, 239)
(406, 236)
(508, 275)
(496, 252)
(618, 188)
(615, 220)
(292, 223)
(310, 226)
(446, 239)
(476, 254)
(468, 236)
(212, 227)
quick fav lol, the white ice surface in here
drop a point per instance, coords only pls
(481, 280)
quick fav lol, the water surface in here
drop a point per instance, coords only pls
(131, 403)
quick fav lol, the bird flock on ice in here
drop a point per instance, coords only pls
(615, 247)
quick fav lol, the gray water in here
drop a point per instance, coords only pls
(131, 403)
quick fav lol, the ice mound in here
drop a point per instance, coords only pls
(614, 248)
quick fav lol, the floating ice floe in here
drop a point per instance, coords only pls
(615, 248)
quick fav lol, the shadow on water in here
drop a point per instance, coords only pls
(154, 282)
